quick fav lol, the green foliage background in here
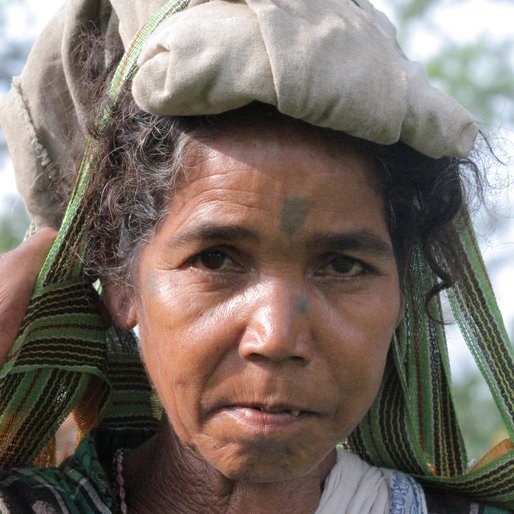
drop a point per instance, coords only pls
(480, 74)
(13, 53)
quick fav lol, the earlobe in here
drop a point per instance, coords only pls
(120, 305)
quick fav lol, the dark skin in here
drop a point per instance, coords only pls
(176, 486)
(278, 253)
(293, 216)
(277, 248)
(188, 484)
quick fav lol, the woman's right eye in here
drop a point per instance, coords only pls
(213, 260)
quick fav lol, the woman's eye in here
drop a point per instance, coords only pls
(345, 266)
(213, 260)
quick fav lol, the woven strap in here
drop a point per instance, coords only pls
(65, 359)
(412, 425)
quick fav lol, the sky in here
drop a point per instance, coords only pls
(461, 20)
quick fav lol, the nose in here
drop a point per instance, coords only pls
(278, 327)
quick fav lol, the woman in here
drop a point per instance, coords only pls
(268, 263)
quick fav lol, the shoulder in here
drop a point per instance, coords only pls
(31, 490)
(72, 488)
(80, 485)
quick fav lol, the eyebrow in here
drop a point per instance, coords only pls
(360, 240)
(211, 232)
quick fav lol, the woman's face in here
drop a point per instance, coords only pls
(267, 299)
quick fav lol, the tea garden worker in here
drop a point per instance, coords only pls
(279, 225)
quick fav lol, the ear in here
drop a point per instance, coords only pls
(120, 304)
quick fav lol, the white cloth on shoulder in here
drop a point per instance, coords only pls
(355, 487)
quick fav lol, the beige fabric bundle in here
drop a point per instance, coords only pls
(43, 116)
(332, 63)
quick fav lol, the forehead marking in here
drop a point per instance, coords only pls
(294, 213)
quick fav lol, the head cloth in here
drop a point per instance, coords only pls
(333, 63)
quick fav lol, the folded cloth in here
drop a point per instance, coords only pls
(355, 487)
(44, 116)
(332, 63)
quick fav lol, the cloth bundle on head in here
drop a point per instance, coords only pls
(333, 63)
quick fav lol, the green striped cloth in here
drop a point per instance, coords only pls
(83, 484)
(65, 360)
(412, 425)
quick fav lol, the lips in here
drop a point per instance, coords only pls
(276, 408)
(266, 414)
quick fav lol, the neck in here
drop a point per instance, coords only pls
(165, 476)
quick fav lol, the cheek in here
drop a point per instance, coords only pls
(181, 346)
(190, 341)
(361, 328)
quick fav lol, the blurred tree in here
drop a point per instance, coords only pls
(13, 224)
(478, 415)
(13, 54)
(480, 73)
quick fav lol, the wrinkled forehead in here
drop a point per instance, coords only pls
(260, 133)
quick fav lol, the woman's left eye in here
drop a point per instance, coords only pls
(344, 266)
(213, 260)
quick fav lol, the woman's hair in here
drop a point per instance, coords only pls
(142, 159)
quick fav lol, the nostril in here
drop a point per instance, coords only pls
(257, 357)
(265, 350)
(254, 357)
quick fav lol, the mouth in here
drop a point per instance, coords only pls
(266, 417)
(275, 410)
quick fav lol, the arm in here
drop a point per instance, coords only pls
(18, 272)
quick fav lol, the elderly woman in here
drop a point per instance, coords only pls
(271, 221)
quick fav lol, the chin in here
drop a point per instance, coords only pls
(263, 460)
